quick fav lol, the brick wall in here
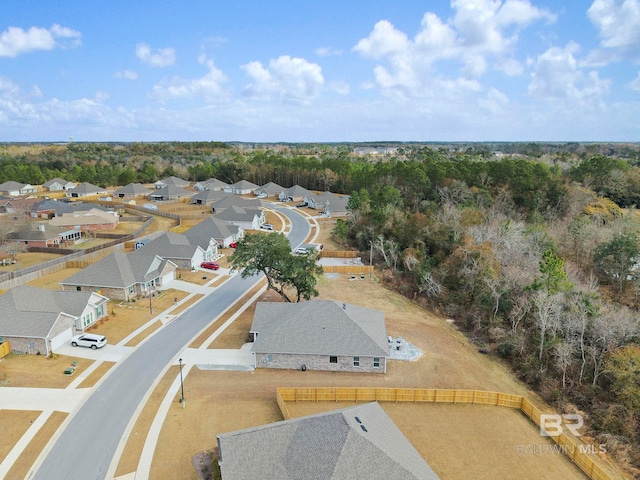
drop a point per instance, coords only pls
(317, 362)
(112, 293)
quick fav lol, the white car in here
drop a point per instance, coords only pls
(266, 226)
(301, 251)
(89, 340)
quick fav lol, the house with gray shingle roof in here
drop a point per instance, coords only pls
(245, 217)
(233, 200)
(243, 187)
(294, 194)
(87, 220)
(169, 192)
(35, 320)
(269, 190)
(319, 335)
(211, 184)
(328, 203)
(183, 252)
(42, 235)
(207, 197)
(122, 276)
(58, 184)
(85, 190)
(359, 442)
(13, 189)
(171, 181)
(132, 190)
(224, 233)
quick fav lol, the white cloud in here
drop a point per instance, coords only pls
(126, 75)
(340, 87)
(163, 57)
(495, 102)
(209, 87)
(618, 23)
(478, 37)
(15, 41)
(288, 78)
(635, 84)
(327, 52)
(557, 75)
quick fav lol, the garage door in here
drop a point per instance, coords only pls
(61, 339)
(168, 277)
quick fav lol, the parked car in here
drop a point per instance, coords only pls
(301, 251)
(210, 265)
(301, 205)
(266, 226)
(89, 340)
(233, 245)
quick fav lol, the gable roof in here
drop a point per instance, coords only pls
(32, 312)
(49, 232)
(234, 213)
(87, 188)
(351, 443)
(59, 207)
(244, 185)
(119, 270)
(85, 217)
(337, 203)
(270, 188)
(170, 191)
(319, 327)
(170, 245)
(234, 200)
(214, 228)
(174, 181)
(133, 189)
(298, 191)
(11, 185)
(209, 196)
(212, 183)
(58, 180)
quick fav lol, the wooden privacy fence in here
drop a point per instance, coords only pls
(339, 253)
(579, 452)
(348, 269)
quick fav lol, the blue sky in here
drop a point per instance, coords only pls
(320, 71)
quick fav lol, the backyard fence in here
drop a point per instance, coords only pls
(348, 269)
(576, 450)
(339, 253)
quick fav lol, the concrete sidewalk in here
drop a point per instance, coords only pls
(60, 399)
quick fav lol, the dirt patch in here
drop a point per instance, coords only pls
(131, 455)
(126, 317)
(144, 334)
(29, 455)
(96, 375)
(37, 371)
(13, 425)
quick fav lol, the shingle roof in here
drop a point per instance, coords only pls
(174, 181)
(58, 180)
(170, 191)
(213, 183)
(270, 188)
(60, 207)
(298, 191)
(31, 312)
(319, 327)
(119, 270)
(133, 189)
(244, 185)
(170, 245)
(231, 200)
(214, 228)
(87, 188)
(11, 185)
(336, 202)
(208, 196)
(32, 234)
(235, 213)
(328, 446)
(85, 217)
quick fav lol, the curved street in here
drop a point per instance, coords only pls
(85, 449)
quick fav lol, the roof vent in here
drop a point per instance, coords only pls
(358, 420)
(344, 306)
(364, 429)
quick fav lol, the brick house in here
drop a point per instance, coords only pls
(45, 236)
(88, 220)
(319, 335)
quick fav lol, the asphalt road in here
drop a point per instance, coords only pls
(86, 447)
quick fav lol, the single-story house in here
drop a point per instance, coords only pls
(87, 220)
(319, 335)
(211, 184)
(352, 443)
(248, 218)
(224, 233)
(122, 276)
(234, 201)
(171, 182)
(329, 204)
(169, 192)
(294, 194)
(132, 190)
(269, 190)
(243, 187)
(178, 248)
(6, 206)
(36, 320)
(50, 208)
(207, 197)
(86, 190)
(14, 189)
(58, 184)
(45, 236)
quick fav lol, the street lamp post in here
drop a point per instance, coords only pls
(150, 308)
(181, 384)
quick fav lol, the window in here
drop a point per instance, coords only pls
(356, 361)
(376, 362)
(333, 359)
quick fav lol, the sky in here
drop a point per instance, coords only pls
(319, 70)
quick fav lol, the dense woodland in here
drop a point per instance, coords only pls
(534, 251)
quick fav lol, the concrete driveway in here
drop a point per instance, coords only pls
(108, 353)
